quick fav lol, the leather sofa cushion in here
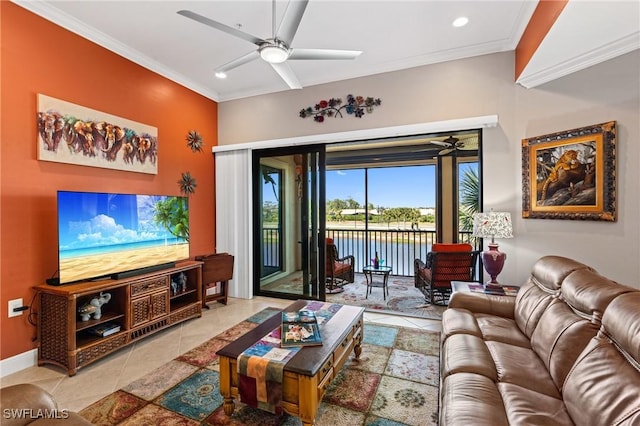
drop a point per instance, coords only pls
(527, 407)
(530, 305)
(457, 321)
(483, 303)
(618, 325)
(550, 271)
(602, 387)
(469, 354)
(485, 326)
(521, 366)
(501, 329)
(590, 293)
(471, 399)
(560, 337)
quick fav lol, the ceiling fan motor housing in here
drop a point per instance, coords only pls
(274, 51)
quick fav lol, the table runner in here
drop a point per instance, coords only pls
(261, 366)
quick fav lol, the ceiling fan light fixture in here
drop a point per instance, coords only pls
(274, 53)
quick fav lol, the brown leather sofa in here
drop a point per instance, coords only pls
(28, 404)
(565, 351)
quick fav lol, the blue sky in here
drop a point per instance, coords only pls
(88, 220)
(410, 186)
(388, 187)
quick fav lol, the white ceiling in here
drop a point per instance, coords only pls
(392, 34)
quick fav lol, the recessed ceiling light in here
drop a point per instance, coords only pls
(461, 21)
(220, 74)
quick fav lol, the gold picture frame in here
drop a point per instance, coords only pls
(570, 174)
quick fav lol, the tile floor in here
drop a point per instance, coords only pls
(122, 367)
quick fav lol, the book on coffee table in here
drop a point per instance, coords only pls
(300, 328)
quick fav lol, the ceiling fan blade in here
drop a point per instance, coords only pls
(237, 62)
(291, 20)
(286, 73)
(446, 151)
(222, 27)
(469, 144)
(441, 143)
(323, 54)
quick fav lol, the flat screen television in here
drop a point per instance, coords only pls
(106, 235)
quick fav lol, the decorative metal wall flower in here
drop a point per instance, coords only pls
(187, 184)
(355, 105)
(194, 141)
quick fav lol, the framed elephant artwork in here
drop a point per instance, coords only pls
(570, 174)
(73, 134)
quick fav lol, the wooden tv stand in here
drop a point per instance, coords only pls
(140, 305)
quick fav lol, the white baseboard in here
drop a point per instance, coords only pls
(18, 362)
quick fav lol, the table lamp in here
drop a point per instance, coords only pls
(494, 225)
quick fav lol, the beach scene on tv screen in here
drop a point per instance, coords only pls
(100, 234)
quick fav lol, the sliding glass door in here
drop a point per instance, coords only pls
(288, 222)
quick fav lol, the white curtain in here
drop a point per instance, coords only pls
(233, 217)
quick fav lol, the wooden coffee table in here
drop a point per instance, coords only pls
(309, 372)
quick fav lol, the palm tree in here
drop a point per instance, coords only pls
(469, 199)
(173, 215)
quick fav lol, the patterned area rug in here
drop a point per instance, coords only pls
(404, 298)
(394, 383)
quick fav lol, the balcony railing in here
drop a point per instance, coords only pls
(397, 248)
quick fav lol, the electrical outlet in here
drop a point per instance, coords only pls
(15, 303)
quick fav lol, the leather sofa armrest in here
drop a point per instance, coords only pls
(20, 405)
(478, 303)
(24, 396)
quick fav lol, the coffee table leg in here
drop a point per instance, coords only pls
(225, 385)
(307, 399)
(229, 406)
(357, 350)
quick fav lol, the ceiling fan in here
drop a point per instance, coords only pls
(453, 144)
(275, 50)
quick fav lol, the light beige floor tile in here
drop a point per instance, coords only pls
(393, 320)
(128, 364)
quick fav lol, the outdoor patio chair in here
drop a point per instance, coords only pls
(338, 270)
(444, 263)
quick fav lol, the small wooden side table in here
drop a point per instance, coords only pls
(216, 268)
(474, 287)
(370, 271)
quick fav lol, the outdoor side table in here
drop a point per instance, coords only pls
(370, 271)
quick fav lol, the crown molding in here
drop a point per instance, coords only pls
(530, 79)
(53, 14)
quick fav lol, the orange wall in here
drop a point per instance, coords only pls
(541, 21)
(40, 57)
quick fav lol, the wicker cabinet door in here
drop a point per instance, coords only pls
(159, 304)
(150, 307)
(140, 311)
